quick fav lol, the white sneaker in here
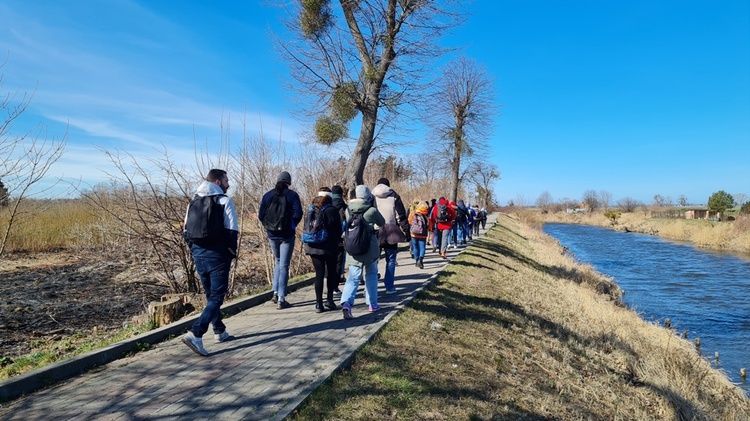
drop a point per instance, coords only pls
(221, 337)
(195, 344)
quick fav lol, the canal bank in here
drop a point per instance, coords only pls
(515, 329)
(697, 290)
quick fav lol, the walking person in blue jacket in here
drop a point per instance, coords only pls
(280, 211)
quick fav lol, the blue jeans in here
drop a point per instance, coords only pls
(418, 245)
(282, 253)
(214, 274)
(352, 284)
(390, 269)
(463, 231)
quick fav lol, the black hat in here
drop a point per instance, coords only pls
(284, 177)
(384, 181)
(337, 190)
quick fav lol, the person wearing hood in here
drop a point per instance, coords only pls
(419, 223)
(280, 211)
(213, 259)
(367, 262)
(394, 231)
(442, 217)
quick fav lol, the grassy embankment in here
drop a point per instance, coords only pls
(513, 329)
(724, 235)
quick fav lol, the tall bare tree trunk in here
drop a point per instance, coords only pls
(355, 171)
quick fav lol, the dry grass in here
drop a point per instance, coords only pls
(514, 329)
(725, 235)
(42, 225)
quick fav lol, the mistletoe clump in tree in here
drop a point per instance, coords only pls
(368, 59)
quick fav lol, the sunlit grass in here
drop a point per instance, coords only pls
(48, 351)
(514, 329)
(42, 225)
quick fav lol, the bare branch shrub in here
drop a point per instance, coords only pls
(147, 205)
(25, 159)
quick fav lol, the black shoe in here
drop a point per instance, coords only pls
(275, 298)
(331, 305)
(319, 308)
(282, 305)
(420, 263)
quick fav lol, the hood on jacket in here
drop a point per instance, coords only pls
(362, 192)
(443, 201)
(421, 208)
(359, 205)
(382, 191)
(461, 204)
(208, 188)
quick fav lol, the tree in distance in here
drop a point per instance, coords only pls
(720, 201)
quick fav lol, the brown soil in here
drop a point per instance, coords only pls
(47, 296)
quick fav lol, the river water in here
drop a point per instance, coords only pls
(704, 292)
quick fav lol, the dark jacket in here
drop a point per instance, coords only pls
(340, 204)
(293, 208)
(332, 223)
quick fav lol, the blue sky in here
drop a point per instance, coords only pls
(638, 98)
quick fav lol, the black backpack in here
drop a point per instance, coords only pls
(205, 220)
(460, 215)
(358, 235)
(314, 231)
(442, 213)
(275, 219)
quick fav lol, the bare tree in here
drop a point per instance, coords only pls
(628, 204)
(682, 200)
(148, 203)
(544, 201)
(483, 175)
(25, 159)
(461, 115)
(605, 199)
(370, 64)
(591, 200)
(659, 200)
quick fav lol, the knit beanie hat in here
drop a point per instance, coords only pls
(337, 190)
(384, 181)
(284, 177)
(362, 192)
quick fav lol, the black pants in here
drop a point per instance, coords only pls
(323, 263)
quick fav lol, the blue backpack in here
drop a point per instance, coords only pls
(314, 231)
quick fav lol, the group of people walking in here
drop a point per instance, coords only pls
(336, 235)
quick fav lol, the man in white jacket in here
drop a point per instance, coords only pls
(213, 258)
